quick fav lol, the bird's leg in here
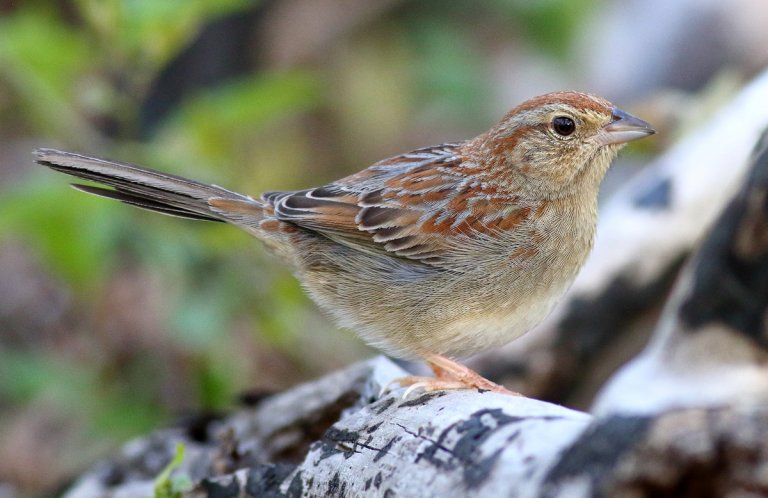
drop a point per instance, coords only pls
(451, 371)
(449, 375)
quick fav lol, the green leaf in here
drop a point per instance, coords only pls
(149, 32)
(450, 70)
(549, 24)
(43, 61)
(165, 486)
(218, 121)
(76, 388)
(76, 234)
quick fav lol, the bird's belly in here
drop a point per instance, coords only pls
(449, 321)
(409, 311)
(468, 335)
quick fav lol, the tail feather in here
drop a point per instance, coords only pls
(141, 187)
(141, 202)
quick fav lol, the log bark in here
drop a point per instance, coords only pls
(711, 345)
(445, 444)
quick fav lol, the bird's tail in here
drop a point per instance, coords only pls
(145, 188)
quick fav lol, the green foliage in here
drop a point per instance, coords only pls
(150, 31)
(450, 69)
(168, 485)
(53, 220)
(79, 390)
(209, 127)
(45, 81)
(550, 24)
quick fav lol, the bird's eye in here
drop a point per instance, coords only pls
(563, 125)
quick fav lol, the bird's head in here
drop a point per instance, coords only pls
(558, 143)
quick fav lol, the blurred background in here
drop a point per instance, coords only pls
(114, 321)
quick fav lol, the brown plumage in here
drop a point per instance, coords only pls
(445, 250)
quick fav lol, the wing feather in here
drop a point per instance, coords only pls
(413, 206)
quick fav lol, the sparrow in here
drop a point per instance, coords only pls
(433, 254)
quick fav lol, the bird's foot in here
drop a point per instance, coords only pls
(449, 375)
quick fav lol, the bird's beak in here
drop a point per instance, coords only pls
(623, 128)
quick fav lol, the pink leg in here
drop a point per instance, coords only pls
(449, 375)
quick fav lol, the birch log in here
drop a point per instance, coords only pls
(445, 444)
(711, 346)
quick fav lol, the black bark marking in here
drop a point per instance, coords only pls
(112, 474)
(214, 489)
(730, 280)
(336, 488)
(385, 449)
(337, 441)
(373, 428)
(341, 435)
(197, 426)
(475, 433)
(307, 432)
(347, 442)
(423, 399)
(598, 449)
(264, 480)
(383, 405)
(465, 453)
(328, 450)
(296, 488)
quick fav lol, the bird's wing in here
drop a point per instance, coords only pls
(414, 206)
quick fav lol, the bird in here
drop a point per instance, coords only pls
(434, 254)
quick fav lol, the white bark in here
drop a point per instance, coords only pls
(711, 345)
(445, 444)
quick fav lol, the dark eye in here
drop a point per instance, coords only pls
(563, 125)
